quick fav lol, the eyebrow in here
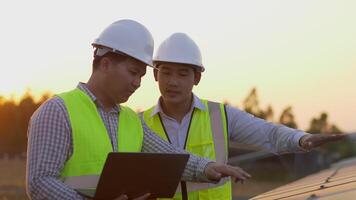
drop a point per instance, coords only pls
(183, 70)
(163, 69)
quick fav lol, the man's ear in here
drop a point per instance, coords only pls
(104, 64)
(155, 74)
(197, 77)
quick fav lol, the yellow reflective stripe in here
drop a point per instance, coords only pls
(217, 128)
(191, 186)
(81, 182)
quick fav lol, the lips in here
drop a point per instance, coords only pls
(172, 92)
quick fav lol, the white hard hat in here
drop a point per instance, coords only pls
(179, 48)
(128, 37)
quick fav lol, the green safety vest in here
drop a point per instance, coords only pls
(91, 142)
(206, 137)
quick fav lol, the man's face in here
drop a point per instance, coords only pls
(176, 81)
(123, 78)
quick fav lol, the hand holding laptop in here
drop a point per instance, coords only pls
(215, 171)
(125, 197)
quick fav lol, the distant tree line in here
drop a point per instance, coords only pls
(317, 125)
(15, 116)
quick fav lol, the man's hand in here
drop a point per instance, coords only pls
(214, 171)
(311, 141)
(125, 197)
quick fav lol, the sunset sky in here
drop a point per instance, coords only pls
(300, 53)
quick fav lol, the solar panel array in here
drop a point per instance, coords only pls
(336, 183)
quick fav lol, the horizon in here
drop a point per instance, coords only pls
(17, 99)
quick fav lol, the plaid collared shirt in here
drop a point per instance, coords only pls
(50, 146)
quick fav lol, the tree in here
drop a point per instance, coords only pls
(321, 125)
(8, 125)
(287, 118)
(269, 114)
(14, 119)
(251, 106)
(25, 109)
(44, 98)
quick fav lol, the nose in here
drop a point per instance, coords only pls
(172, 81)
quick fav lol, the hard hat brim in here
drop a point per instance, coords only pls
(102, 50)
(198, 67)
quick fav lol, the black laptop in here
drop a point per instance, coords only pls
(135, 174)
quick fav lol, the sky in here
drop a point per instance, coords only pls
(300, 53)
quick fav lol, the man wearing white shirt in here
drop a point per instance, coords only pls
(205, 128)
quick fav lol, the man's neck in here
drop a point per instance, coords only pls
(176, 110)
(99, 93)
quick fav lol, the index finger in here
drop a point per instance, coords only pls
(143, 197)
(335, 137)
(122, 197)
(235, 172)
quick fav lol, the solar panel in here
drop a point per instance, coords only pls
(338, 182)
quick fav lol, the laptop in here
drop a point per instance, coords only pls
(135, 174)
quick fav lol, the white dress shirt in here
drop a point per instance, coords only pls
(242, 128)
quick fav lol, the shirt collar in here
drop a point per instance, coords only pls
(197, 103)
(82, 86)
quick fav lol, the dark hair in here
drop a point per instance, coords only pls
(194, 67)
(114, 57)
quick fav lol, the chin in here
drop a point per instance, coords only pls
(172, 100)
(122, 100)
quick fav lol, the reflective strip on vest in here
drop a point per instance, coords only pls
(217, 129)
(80, 182)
